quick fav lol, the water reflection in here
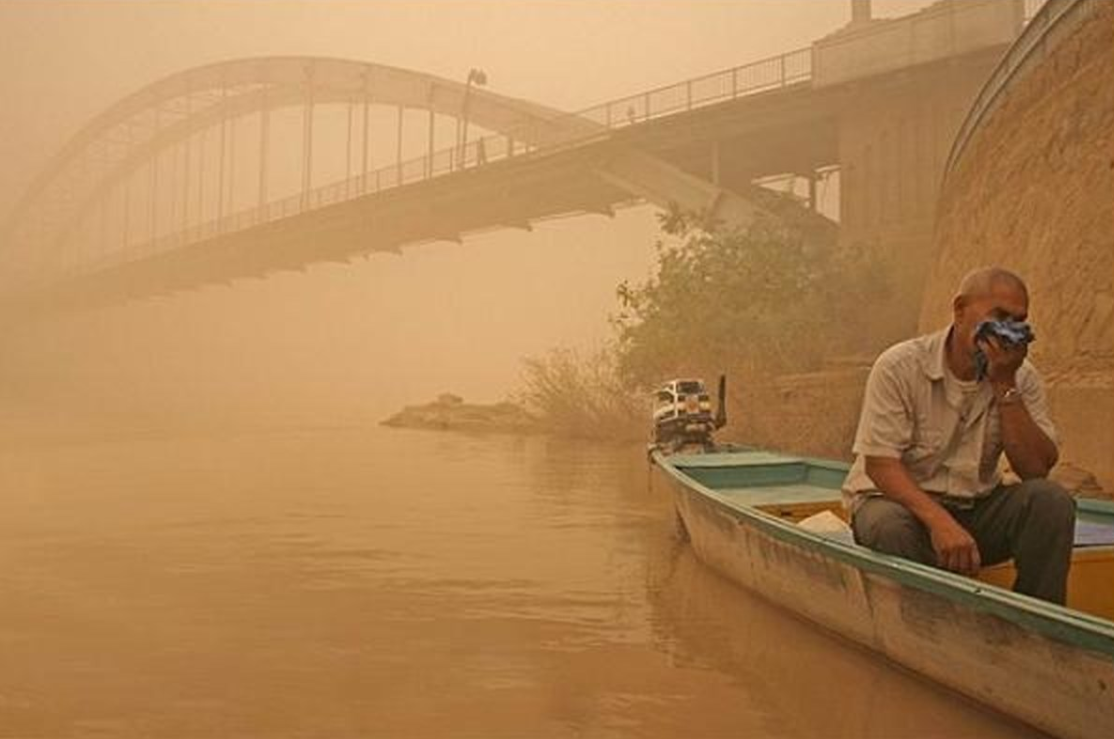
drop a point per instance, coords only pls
(353, 581)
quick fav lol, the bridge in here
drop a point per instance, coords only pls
(242, 168)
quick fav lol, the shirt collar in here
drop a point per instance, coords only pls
(936, 348)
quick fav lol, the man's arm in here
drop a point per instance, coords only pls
(1030, 452)
(955, 549)
(1028, 448)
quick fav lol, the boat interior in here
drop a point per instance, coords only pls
(801, 491)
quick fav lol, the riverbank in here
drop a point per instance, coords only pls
(449, 412)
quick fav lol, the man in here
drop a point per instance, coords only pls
(926, 484)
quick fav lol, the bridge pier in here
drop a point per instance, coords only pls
(307, 140)
(264, 143)
(715, 163)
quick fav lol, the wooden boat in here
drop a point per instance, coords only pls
(1047, 665)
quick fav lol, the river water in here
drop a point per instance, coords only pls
(354, 581)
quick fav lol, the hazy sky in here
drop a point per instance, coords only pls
(442, 316)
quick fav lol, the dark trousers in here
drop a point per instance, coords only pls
(1032, 522)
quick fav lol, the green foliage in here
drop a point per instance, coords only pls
(776, 296)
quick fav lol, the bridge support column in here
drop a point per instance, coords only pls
(264, 136)
(186, 172)
(348, 154)
(430, 146)
(220, 159)
(456, 148)
(127, 198)
(101, 240)
(155, 186)
(715, 163)
(231, 166)
(363, 177)
(126, 185)
(201, 177)
(398, 144)
(307, 140)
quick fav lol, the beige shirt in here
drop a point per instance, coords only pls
(945, 432)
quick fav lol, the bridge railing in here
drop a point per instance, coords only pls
(544, 137)
(1050, 22)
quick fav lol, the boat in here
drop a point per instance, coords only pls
(765, 519)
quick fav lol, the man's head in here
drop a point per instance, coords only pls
(987, 293)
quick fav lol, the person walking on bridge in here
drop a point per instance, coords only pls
(938, 413)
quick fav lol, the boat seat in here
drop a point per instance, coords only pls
(1087, 534)
(1092, 534)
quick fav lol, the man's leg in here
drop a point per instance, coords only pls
(887, 526)
(1033, 522)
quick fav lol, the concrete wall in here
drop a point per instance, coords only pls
(810, 414)
(894, 137)
(944, 30)
(1034, 192)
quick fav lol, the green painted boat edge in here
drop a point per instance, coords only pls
(1082, 630)
(1093, 505)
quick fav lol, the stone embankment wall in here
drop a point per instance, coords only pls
(1034, 192)
(811, 414)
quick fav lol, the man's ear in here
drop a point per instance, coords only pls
(958, 304)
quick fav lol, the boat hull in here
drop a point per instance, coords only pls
(1042, 664)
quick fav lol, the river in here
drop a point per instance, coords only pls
(353, 581)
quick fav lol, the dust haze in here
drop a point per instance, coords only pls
(351, 342)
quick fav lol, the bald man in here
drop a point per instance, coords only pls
(926, 485)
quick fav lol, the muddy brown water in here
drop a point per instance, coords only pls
(355, 582)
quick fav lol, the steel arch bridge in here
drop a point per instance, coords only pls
(204, 156)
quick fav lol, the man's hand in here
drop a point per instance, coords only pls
(1003, 360)
(955, 549)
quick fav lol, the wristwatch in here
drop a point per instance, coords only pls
(1012, 395)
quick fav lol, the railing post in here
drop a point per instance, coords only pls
(688, 95)
(781, 59)
(734, 82)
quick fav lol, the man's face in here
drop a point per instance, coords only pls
(1004, 301)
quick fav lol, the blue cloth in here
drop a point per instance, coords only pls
(1008, 333)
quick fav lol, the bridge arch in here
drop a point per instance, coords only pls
(138, 129)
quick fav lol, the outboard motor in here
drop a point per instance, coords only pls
(683, 414)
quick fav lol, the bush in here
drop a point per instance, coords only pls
(583, 396)
(774, 297)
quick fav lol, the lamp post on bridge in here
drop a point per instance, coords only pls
(479, 78)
